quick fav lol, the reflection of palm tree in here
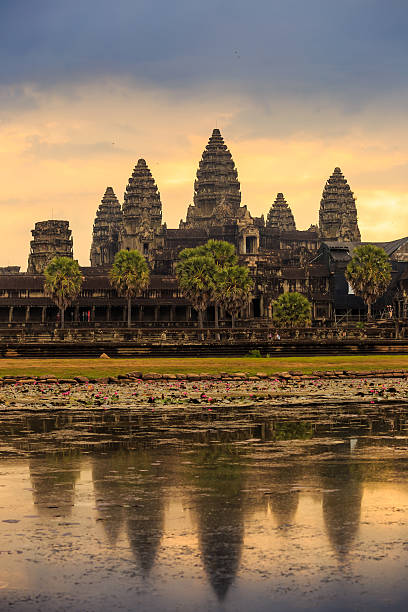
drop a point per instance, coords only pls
(342, 495)
(219, 515)
(53, 480)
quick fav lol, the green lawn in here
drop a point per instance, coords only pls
(97, 368)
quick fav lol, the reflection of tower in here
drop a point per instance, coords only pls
(109, 492)
(145, 524)
(219, 516)
(127, 488)
(53, 480)
(283, 501)
(342, 497)
(145, 512)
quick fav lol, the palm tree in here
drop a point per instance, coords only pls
(223, 255)
(130, 276)
(291, 309)
(232, 289)
(369, 273)
(196, 280)
(63, 281)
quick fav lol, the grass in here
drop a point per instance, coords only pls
(98, 368)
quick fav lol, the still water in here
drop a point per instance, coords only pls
(113, 510)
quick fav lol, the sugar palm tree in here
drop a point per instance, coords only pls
(291, 310)
(369, 273)
(130, 276)
(223, 255)
(63, 281)
(196, 280)
(233, 289)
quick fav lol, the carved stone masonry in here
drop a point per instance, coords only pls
(51, 239)
(280, 215)
(107, 225)
(338, 212)
(142, 211)
(217, 195)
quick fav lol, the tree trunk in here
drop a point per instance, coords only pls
(216, 315)
(62, 315)
(129, 311)
(232, 321)
(200, 319)
(368, 310)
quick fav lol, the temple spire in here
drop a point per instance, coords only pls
(106, 229)
(280, 215)
(216, 184)
(338, 212)
(142, 210)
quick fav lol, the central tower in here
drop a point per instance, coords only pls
(217, 192)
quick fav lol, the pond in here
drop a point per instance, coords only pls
(153, 510)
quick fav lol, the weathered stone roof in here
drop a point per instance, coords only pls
(348, 247)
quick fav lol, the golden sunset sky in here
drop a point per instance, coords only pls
(296, 88)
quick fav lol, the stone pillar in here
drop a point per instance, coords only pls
(188, 313)
(124, 313)
(172, 313)
(43, 314)
(140, 314)
(156, 313)
(93, 313)
(108, 313)
(27, 314)
(11, 309)
(261, 305)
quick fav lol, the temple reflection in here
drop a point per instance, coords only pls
(283, 502)
(128, 493)
(145, 514)
(219, 513)
(342, 485)
(53, 481)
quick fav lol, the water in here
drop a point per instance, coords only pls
(116, 510)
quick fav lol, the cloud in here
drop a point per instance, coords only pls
(41, 149)
(350, 51)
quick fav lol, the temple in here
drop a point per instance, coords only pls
(280, 257)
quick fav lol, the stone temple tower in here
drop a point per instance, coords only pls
(50, 239)
(338, 212)
(216, 190)
(142, 211)
(280, 215)
(105, 235)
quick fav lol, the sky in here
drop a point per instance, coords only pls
(296, 87)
